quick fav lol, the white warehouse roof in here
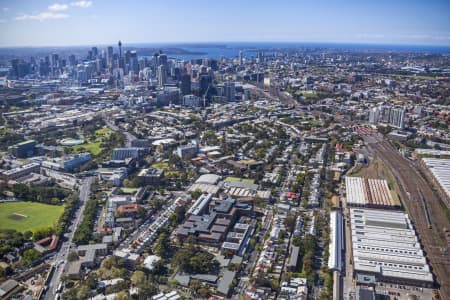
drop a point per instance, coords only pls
(385, 242)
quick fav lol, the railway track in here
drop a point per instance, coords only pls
(430, 230)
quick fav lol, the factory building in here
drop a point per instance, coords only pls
(372, 193)
(386, 247)
(438, 172)
(336, 246)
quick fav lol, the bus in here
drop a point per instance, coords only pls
(59, 288)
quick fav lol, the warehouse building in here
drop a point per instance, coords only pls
(439, 170)
(372, 193)
(336, 245)
(385, 245)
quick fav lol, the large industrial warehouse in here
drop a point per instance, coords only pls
(385, 245)
(363, 192)
(440, 169)
(336, 245)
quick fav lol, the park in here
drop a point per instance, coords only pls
(24, 216)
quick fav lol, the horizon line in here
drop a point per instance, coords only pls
(225, 42)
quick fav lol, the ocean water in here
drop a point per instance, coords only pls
(230, 50)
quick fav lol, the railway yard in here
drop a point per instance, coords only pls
(410, 184)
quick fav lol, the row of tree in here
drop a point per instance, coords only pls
(83, 234)
(193, 260)
(37, 193)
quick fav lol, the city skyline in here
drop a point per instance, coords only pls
(70, 23)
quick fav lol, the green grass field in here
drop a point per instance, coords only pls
(236, 179)
(129, 190)
(168, 171)
(23, 216)
(93, 148)
(94, 142)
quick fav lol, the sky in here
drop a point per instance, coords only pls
(101, 22)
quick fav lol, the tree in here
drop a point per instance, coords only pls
(195, 194)
(43, 233)
(83, 292)
(122, 295)
(139, 279)
(111, 262)
(258, 202)
(290, 221)
(203, 292)
(30, 255)
(162, 245)
(149, 289)
(27, 234)
(192, 260)
(73, 256)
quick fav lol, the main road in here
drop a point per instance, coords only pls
(60, 258)
(129, 137)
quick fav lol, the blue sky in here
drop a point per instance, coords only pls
(96, 22)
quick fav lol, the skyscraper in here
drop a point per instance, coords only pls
(163, 60)
(94, 52)
(397, 118)
(374, 115)
(204, 82)
(185, 84)
(120, 49)
(133, 61)
(393, 116)
(229, 91)
(162, 75)
(109, 56)
(72, 60)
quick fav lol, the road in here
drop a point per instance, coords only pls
(253, 259)
(61, 255)
(409, 182)
(129, 137)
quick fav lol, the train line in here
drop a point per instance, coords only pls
(425, 208)
(420, 202)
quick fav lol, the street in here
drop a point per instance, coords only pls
(129, 137)
(60, 258)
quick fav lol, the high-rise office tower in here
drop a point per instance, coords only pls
(72, 60)
(133, 61)
(162, 75)
(241, 60)
(185, 84)
(109, 56)
(394, 116)
(163, 60)
(44, 67)
(127, 56)
(229, 91)
(19, 68)
(374, 115)
(54, 63)
(94, 52)
(204, 83)
(155, 62)
(397, 118)
(120, 49)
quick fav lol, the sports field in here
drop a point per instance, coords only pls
(237, 179)
(23, 216)
(93, 143)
